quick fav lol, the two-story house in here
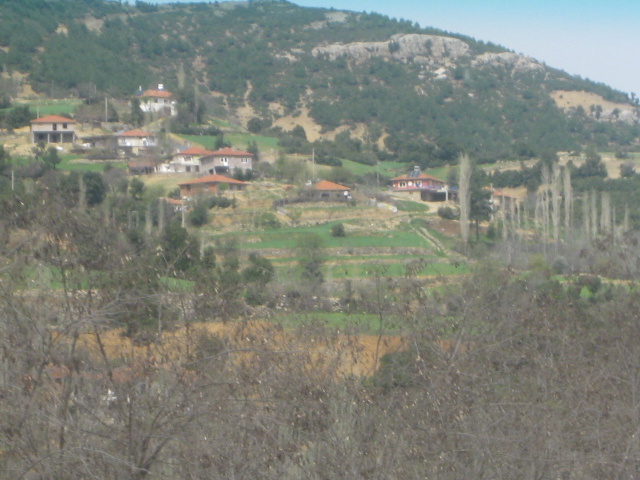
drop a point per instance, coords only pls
(157, 100)
(226, 160)
(421, 185)
(134, 142)
(188, 160)
(53, 129)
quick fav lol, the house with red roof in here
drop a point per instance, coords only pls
(187, 160)
(327, 191)
(423, 186)
(135, 141)
(53, 129)
(209, 184)
(501, 201)
(157, 100)
(227, 160)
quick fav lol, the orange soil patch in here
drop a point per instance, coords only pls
(356, 355)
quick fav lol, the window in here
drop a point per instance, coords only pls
(224, 161)
(418, 183)
(64, 126)
(245, 160)
(403, 184)
(55, 126)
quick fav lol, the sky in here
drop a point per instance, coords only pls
(596, 39)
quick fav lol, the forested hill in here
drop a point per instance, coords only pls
(416, 92)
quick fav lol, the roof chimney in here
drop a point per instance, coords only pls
(416, 169)
(160, 86)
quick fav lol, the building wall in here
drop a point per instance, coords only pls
(226, 163)
(328, 195)
(185, 163)
(411, 184)
(136, 142)
(191, 190)
(53, 132)
(154, 104)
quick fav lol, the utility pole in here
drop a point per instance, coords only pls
(313, 161)
(106, 110)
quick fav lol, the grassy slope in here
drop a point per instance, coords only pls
(52, 107)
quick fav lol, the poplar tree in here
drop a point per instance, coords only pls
(556, 193)
(586, 215)
(568, 203)
(464, 196)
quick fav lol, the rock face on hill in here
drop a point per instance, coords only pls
(420, 48)
(518, 62)
(432, 50)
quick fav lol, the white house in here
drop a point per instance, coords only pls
(188, 160)
(157, 100)
(135, 141)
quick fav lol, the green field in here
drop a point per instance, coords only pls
(68, 165)
(52, 107)
(389, 169)
(287, 238)
(357, 322)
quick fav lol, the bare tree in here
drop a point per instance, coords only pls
(586, 216)
(545, 204)
(605, 213)
(464, 196)
(594, 213)
(556, 198)
(568, 203)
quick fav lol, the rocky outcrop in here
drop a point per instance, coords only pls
(433, 51)
(420, 48)
(627, 115)
(520, 63)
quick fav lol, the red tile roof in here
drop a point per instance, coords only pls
(497, 193)
(422, 176)
(195, 151)
(53, 119)
(230, 152)
(327, 185)
(213, 179)
(142, 164)
(135, 133)
(157, 93)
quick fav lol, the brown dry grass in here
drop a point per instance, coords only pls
(573, 99)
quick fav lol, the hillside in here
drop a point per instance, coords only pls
(417, 94)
